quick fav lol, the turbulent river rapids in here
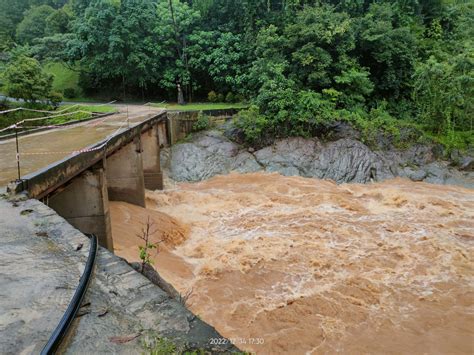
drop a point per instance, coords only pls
(297, 265)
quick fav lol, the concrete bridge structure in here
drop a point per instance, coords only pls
(43, 248)
(120, 168)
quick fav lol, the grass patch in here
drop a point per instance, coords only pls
(155, 345)
(64, 78)
(454, 140)
(14, 117)
(89, 108)
(160, 346)
(200, 106)
(91, 100)
(80, 115)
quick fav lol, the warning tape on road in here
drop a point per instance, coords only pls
(65, 125)
(19, 124)
(13, 126)
(48, 126)
(79, 151)
(108, 103)
(39, 111)
(73, 152)
(53, 116)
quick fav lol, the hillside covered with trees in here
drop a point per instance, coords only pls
(300, 64)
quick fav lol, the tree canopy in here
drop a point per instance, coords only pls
(299, 62)
(25, 79)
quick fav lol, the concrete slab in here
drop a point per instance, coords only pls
(41, 260)
(37, 279)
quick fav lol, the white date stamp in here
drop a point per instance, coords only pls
(237, 341)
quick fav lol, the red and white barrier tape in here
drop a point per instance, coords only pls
(13, 126)
(74, 152)
(53, 116)
(108, 103)
(39, 111)
(19, 124)
(85, 150)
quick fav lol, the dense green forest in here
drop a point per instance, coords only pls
(300, 64)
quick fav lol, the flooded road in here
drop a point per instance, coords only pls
(305, 266)
(50, 146)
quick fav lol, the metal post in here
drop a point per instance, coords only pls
(128, 119)
(17, 153)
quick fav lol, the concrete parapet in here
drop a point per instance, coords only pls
(153, 176)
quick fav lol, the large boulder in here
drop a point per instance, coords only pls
(413, 173)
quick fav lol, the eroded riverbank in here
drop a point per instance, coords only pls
(311, 266)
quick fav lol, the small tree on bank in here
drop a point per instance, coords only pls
(25, 79)
(145, 234)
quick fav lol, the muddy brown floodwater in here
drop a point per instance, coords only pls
(312, 267)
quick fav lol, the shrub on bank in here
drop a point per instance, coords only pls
(309, 114)
(212, 96)
(230, 97)
(70, 93)
(55, 98)
(203, 122)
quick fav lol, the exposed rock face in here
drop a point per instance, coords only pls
(345, 160)
(207, 155)
(342, 160)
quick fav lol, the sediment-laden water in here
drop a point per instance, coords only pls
(308, 266)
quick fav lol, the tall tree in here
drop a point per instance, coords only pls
(174, 25)
(389, 51)
(25, 79)
(34, 24)
(115, 42)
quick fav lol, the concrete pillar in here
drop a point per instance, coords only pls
(84, 203)
(163, 138)
(170, 127)
(151, 159)
(124, 170)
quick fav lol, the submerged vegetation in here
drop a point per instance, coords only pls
(300, 64)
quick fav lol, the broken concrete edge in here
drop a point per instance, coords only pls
(159, 315)
(153, 275)
(60, 172)
(37, 130)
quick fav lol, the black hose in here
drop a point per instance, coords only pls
(68, 317)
